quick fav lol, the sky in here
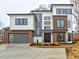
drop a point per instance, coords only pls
(24, 6)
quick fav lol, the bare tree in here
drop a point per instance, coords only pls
(76, 13)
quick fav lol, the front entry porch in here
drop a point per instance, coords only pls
(47, 37)
(59, 37)
(56, 37)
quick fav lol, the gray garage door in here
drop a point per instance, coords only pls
(18, 38)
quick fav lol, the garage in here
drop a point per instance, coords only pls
(18, 38)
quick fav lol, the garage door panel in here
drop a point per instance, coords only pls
(20, 38)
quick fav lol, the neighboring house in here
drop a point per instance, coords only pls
(1, 34)
(42, 26)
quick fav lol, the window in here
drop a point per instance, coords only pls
(21, 21)
(60, 23)
(17, 21)
(24, 21)
(47, 22)
(69, 11)
(47, 27)
(47, 18)
(63, 11)
(57, 11)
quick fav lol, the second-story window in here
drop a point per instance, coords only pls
(47, 22)
(60, 23)
(63, 11)
(21, 21)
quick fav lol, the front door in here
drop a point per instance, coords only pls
(47, 37)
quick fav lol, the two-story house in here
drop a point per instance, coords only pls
(21, 28)
(42, 26)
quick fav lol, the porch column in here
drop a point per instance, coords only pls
(66, 37)
(51, 37)
(42, 37)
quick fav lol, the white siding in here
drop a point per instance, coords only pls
(30, 20)
(40, 40)
(70, 18)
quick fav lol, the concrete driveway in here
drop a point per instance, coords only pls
(24, 51)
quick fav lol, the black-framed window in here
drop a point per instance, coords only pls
(47, 22)
(47, 18)
(60, 23)
(63, 11)
(21, 21)
(47, 27)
